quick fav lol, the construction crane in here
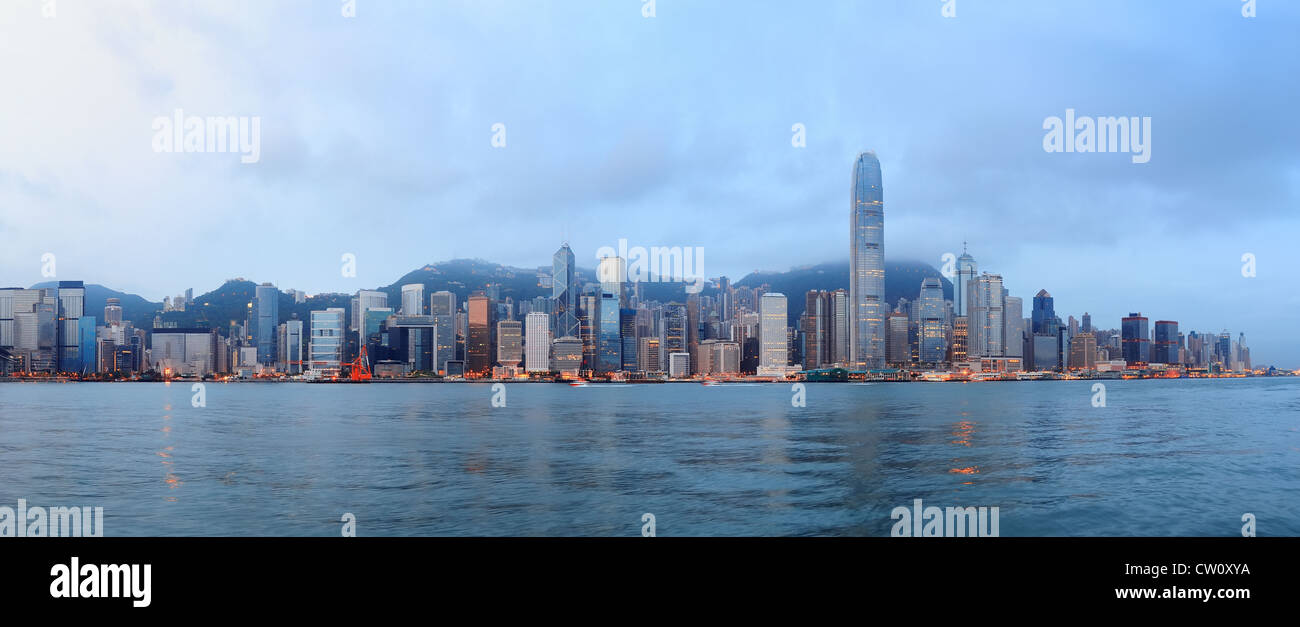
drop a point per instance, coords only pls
(359, 369)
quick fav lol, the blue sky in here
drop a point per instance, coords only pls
(672, 130)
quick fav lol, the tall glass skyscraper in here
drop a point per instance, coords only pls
(72, 305)
(965, 274)
(933, 340)
(609, 343)
(867, 264)
(266, 315)
(564, 292)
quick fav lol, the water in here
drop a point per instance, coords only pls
(1164, 458)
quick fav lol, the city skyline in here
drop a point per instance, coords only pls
(600, 152)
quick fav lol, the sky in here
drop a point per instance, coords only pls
(377, 140)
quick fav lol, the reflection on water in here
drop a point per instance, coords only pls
(1164, 458)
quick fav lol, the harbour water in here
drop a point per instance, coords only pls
(1161, 458)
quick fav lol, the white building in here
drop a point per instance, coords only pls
(412, 299)
(537, 342)
(773, 335)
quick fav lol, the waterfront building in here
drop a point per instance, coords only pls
(867, 264)
(899, 348)
(510, 343)
(1083, 351)
(564, 294)
(327, 334)
(72, 304)
(566, 356)
(986, 316)
(478, 341)
(773, 338)
(184, 351)
(265, 318)
(1164, 350)
(1136, 340)
(932, 337)
(537, 342)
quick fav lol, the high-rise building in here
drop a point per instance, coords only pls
(1013, 335)
(112, 311)
(932, 340)
(1083, 351)
(190, 352)
(72, 305)
(510, 343)
(816, 323)
(564, 293)
(413, 299)
(87, 340)
(674, 331)
(266, 317)
(1165, 348)
(773, 338)
(839, 327)
(609, 341)
(1136, 342)
(1044, 314)
(612, 272)
(537, 342)
(867, 264)
(965, 274)
(960, 339)
(985, 314)
(627, 332)
(567, 356)
(327, 335)
(648, 359)
(293, 346)
(478, 341)
(900, 349)
(442, 306)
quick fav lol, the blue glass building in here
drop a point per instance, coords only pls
(867, 264)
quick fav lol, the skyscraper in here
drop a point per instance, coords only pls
(965, 274)
(266, 313)
(413, 299)
(1136, 340)
(442, 306)
(867, 264)
(326, 348)
(611, 272)
(1044, 315)
(72, 304)
(1165, 348)
(816, 329)
(986, 324)
(510, 343)
(933, 345)
(774, 352)
(564, 292)
(537, 342)
(478, 341)
(609, 341)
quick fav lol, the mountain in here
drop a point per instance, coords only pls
(133, 307)
(463, 277)
(229, 303)
(902, 280)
